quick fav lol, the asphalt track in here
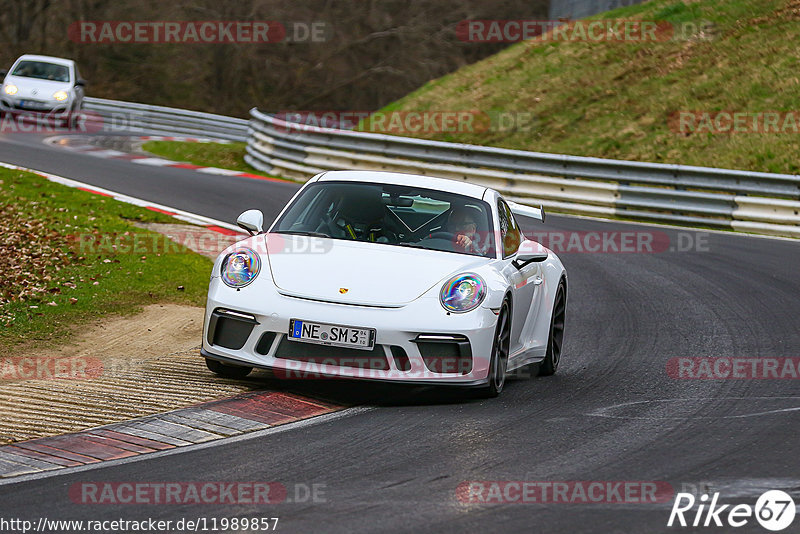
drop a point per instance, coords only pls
(612, 413)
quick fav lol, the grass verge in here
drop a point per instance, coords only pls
(69, 256)
(222, 155)
(617, 99)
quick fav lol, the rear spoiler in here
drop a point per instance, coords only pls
(527, 211)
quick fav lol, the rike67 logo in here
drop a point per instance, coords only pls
(774, 510)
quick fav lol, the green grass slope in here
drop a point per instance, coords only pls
(68, 256)
(614, 99)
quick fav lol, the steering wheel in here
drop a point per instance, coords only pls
(326, 225)
(452, 238)
(442, 234)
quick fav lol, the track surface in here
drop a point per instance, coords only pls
(396, 468)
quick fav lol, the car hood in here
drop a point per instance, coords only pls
(351, 272)
(43, 88)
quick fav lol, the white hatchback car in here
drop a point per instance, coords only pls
(42, 84)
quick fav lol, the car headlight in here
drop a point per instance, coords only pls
(10, 89)
(60, 95)
(463, 293)
(240, 267)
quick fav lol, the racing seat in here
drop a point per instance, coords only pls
(361, 216)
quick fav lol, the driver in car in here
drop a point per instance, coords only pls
(463, 224)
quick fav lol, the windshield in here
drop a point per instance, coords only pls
(42, 71)
(393, 215)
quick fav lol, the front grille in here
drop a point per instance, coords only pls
(265, 343)
(229, 329)
(401, 360)
(442, 356)
(327, 355)
(231, 334)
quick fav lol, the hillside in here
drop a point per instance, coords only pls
(619, 99)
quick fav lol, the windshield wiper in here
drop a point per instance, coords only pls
(300, 232)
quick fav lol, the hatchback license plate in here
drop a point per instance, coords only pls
(332, 334)
(31, 104)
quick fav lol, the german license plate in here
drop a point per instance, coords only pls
(332, 334)
(31, 104)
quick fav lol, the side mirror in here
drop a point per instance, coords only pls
(3, 73)
(530, 252)
(252, 221)
(80, 82)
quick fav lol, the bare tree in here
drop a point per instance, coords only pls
(374, 51)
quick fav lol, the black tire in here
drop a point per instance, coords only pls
(227, 371)
(75, 117)
(555, 340)
(500, 349)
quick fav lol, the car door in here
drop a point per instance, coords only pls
(524, 281)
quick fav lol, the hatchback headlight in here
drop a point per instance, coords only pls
(60, 95)
(10, 89)
(240, 267)
(463, 293)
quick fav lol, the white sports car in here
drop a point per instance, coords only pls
(391, 277)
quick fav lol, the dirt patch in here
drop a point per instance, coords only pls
(118, 369)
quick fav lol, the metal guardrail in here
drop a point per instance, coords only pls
(117, 116)
(747, 201)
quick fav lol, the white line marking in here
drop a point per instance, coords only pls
(125, 198)
(216, 170)
(604, 411)
(155, 162)
(105, 153)
(191, 220)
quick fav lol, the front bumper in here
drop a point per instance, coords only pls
(417, 343)
(29, 105)
(297, 375)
